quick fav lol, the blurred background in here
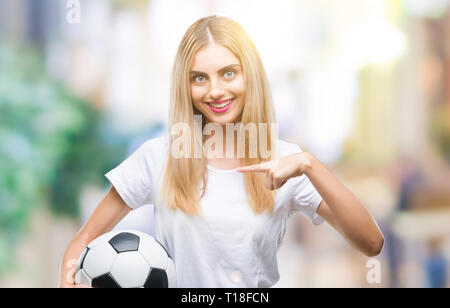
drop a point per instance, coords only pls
(364, 85)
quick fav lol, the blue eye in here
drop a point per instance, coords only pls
(198, 76)
(230, 72)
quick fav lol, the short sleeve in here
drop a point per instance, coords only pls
(132, 178)
(305, 198)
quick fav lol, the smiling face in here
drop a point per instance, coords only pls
(217, 84)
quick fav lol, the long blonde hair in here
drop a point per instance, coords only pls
(181, 187)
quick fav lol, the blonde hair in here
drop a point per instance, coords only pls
(181, 187)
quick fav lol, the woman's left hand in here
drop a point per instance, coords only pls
(279, 171)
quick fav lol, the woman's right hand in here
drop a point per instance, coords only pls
(107, 214)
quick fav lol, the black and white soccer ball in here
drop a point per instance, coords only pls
(125, 259)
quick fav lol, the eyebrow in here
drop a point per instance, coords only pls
(221, 70)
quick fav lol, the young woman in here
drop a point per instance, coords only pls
(221, 209)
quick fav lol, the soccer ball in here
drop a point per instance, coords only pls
(125, 259)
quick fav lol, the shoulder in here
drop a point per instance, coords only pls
(157, 143)
(286, 148)
(154, 149)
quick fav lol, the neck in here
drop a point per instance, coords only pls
(217, 142)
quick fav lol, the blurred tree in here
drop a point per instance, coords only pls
(440, 129)
(126, 4)
(51, 145)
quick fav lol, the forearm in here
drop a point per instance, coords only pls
(351, 217)
(69, 261)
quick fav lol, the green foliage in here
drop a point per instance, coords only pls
(440, 129)
(51, 145)
(127, 4)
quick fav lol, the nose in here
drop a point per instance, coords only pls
(217, 90)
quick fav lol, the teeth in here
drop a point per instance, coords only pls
(222, 105)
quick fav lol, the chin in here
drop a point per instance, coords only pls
(222, 120)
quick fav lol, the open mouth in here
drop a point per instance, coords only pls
(222, 107)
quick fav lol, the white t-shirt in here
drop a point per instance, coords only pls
(230, 245)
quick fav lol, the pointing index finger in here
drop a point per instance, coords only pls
(253, 168)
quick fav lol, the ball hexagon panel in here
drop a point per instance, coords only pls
(152, 251)
(125, 241)
(99, 260)
(130, 269)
